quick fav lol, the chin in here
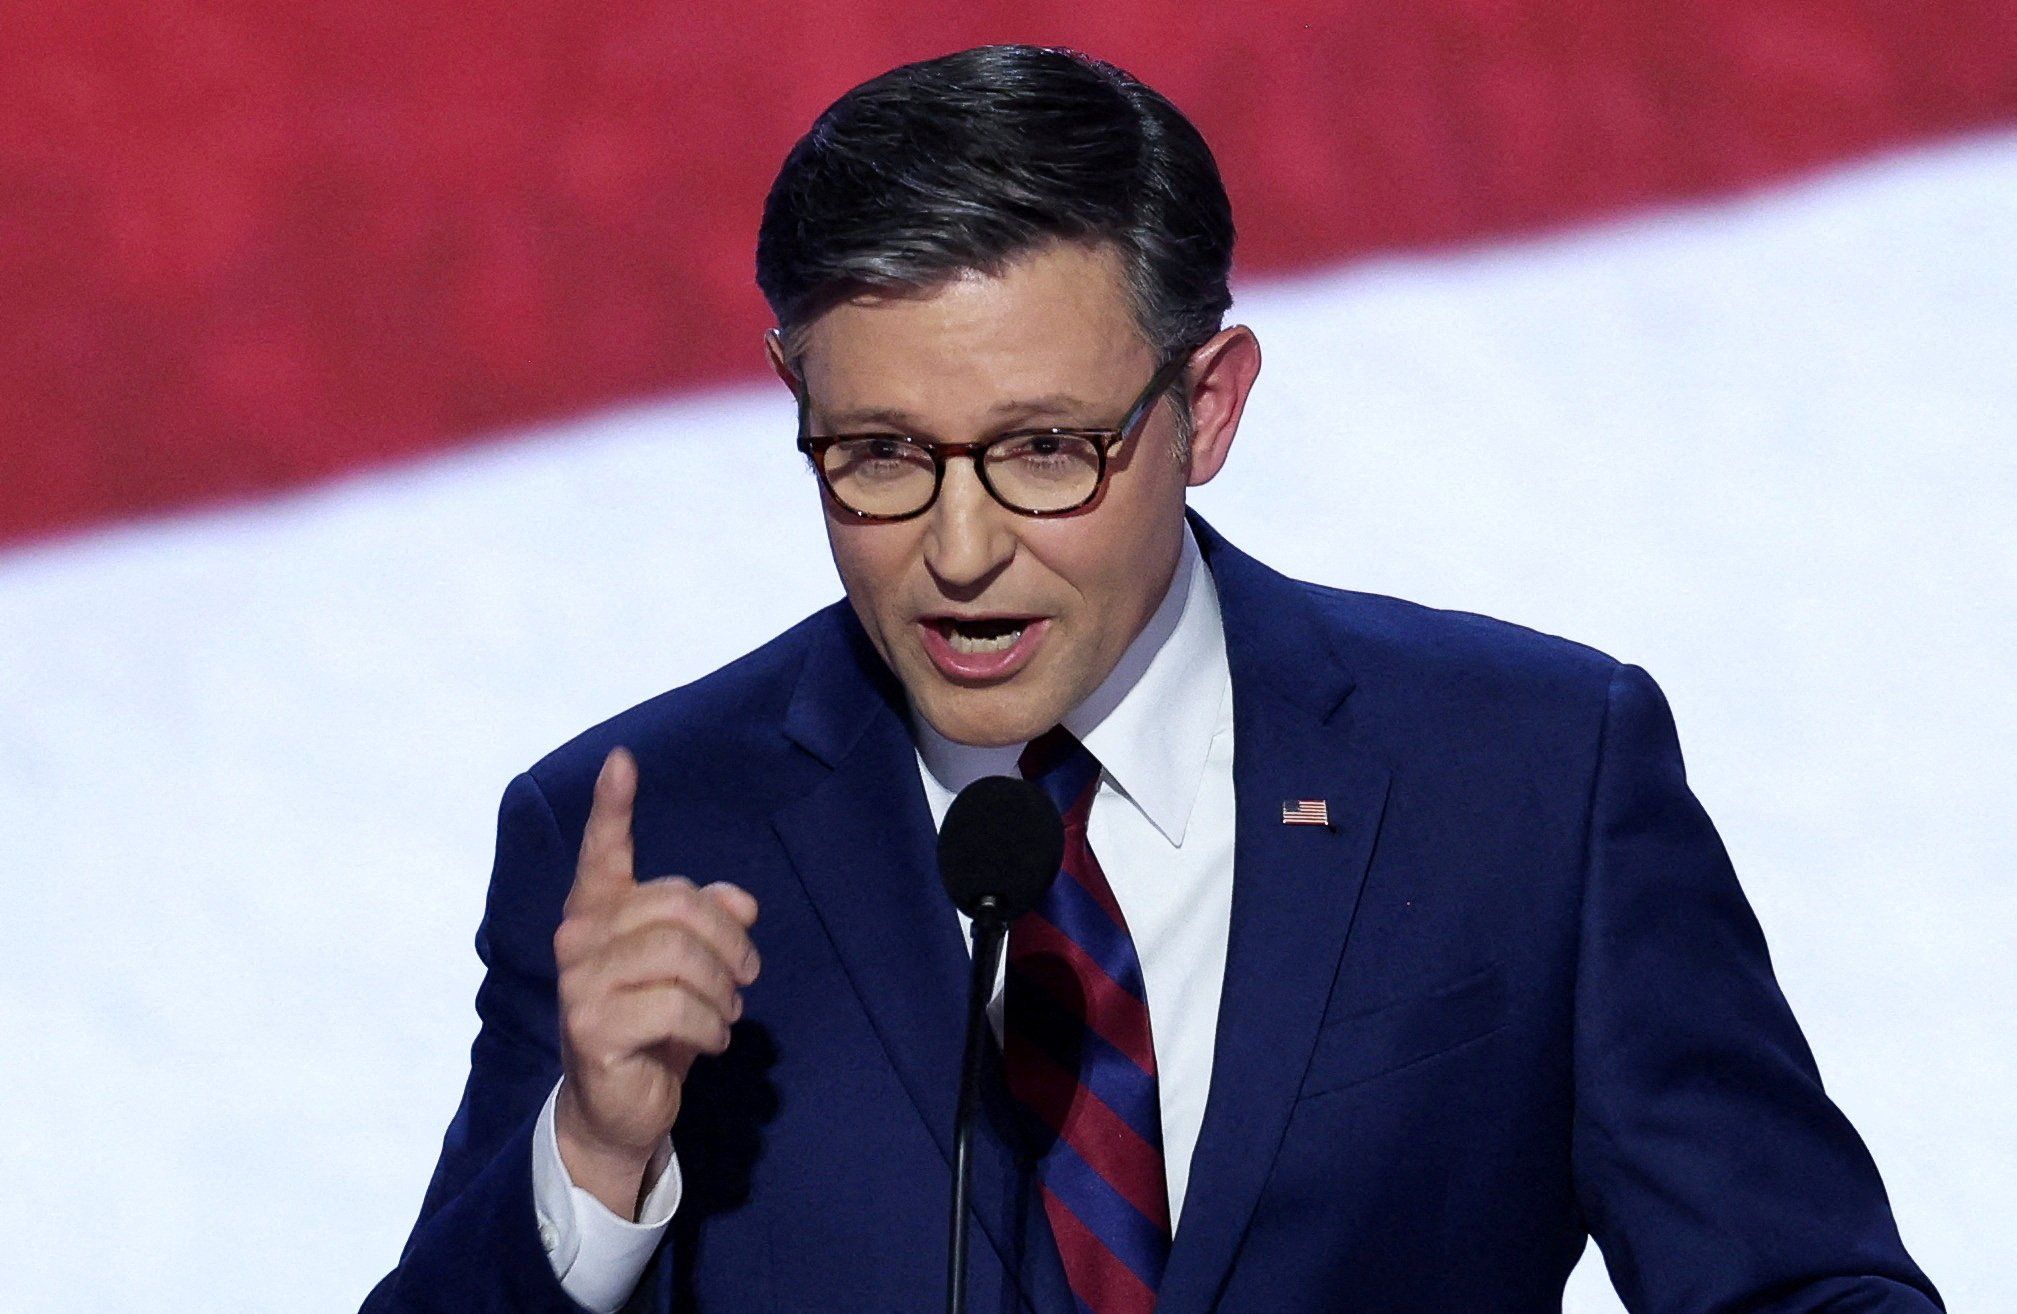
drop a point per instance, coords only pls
(982, 718)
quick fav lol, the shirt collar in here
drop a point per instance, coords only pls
(1150, 722)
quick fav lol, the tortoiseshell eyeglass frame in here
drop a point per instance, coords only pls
(1105, 443)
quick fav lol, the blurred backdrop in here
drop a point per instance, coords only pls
(381, 402)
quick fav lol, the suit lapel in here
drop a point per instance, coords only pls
(1295, 889)
(862, 843)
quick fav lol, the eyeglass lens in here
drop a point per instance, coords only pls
(888, 476)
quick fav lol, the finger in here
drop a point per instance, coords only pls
(674, 899)
(583, 931)
(663, 899)
(631, 1021)
(661, 952)
(606, 865)
(738, 902)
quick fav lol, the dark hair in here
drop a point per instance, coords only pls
(969, 160)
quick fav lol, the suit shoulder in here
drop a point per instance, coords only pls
(721, 717)
(1394, 640)
(1453, 696)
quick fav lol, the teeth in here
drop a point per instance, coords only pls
(962, 642)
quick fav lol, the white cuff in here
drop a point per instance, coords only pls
(597, 1256)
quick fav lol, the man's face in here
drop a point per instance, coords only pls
(999, 623)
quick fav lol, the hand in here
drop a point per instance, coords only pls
(650, 978)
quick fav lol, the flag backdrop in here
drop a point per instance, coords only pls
(380, 403)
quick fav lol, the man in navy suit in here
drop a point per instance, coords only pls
(1407, 960)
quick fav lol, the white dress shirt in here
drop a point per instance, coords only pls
(1161, 725)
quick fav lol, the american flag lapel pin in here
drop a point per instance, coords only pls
(1306, 812)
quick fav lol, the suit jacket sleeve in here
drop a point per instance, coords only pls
(1712, 1169)
(477, 1245)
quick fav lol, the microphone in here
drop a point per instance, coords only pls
(998, 851)
(999, 848)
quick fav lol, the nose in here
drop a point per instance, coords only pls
(967, 536)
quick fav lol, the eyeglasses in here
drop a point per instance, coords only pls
(1034, 472)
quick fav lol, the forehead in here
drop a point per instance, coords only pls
(1057, 318)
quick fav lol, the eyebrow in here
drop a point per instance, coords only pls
(1056, 405)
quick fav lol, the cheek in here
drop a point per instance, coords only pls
(1101, 572)
(870, 563)
(1116, 590)
(1118, 573)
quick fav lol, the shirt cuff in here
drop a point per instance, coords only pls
(597, 1256)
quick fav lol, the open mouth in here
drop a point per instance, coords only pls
(981, 636)
(982, 648)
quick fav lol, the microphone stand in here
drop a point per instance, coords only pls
(990, 930)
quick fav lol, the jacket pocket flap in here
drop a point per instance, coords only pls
(1368, 1044)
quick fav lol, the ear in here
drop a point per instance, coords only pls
(1221, 374)
(773, 347)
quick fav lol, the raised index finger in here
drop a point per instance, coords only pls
(606, 867)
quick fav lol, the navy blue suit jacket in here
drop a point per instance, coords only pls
(1513, 996)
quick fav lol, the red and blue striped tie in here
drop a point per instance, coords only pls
(1078, 1058)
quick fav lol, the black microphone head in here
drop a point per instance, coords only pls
(1002, 839)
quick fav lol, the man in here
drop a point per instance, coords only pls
(1390, 956)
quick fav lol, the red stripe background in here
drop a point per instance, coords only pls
(244, 246)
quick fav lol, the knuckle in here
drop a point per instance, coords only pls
(674, 891)
(654, 903)
(569, 940)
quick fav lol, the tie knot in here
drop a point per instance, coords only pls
(1064, 768)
